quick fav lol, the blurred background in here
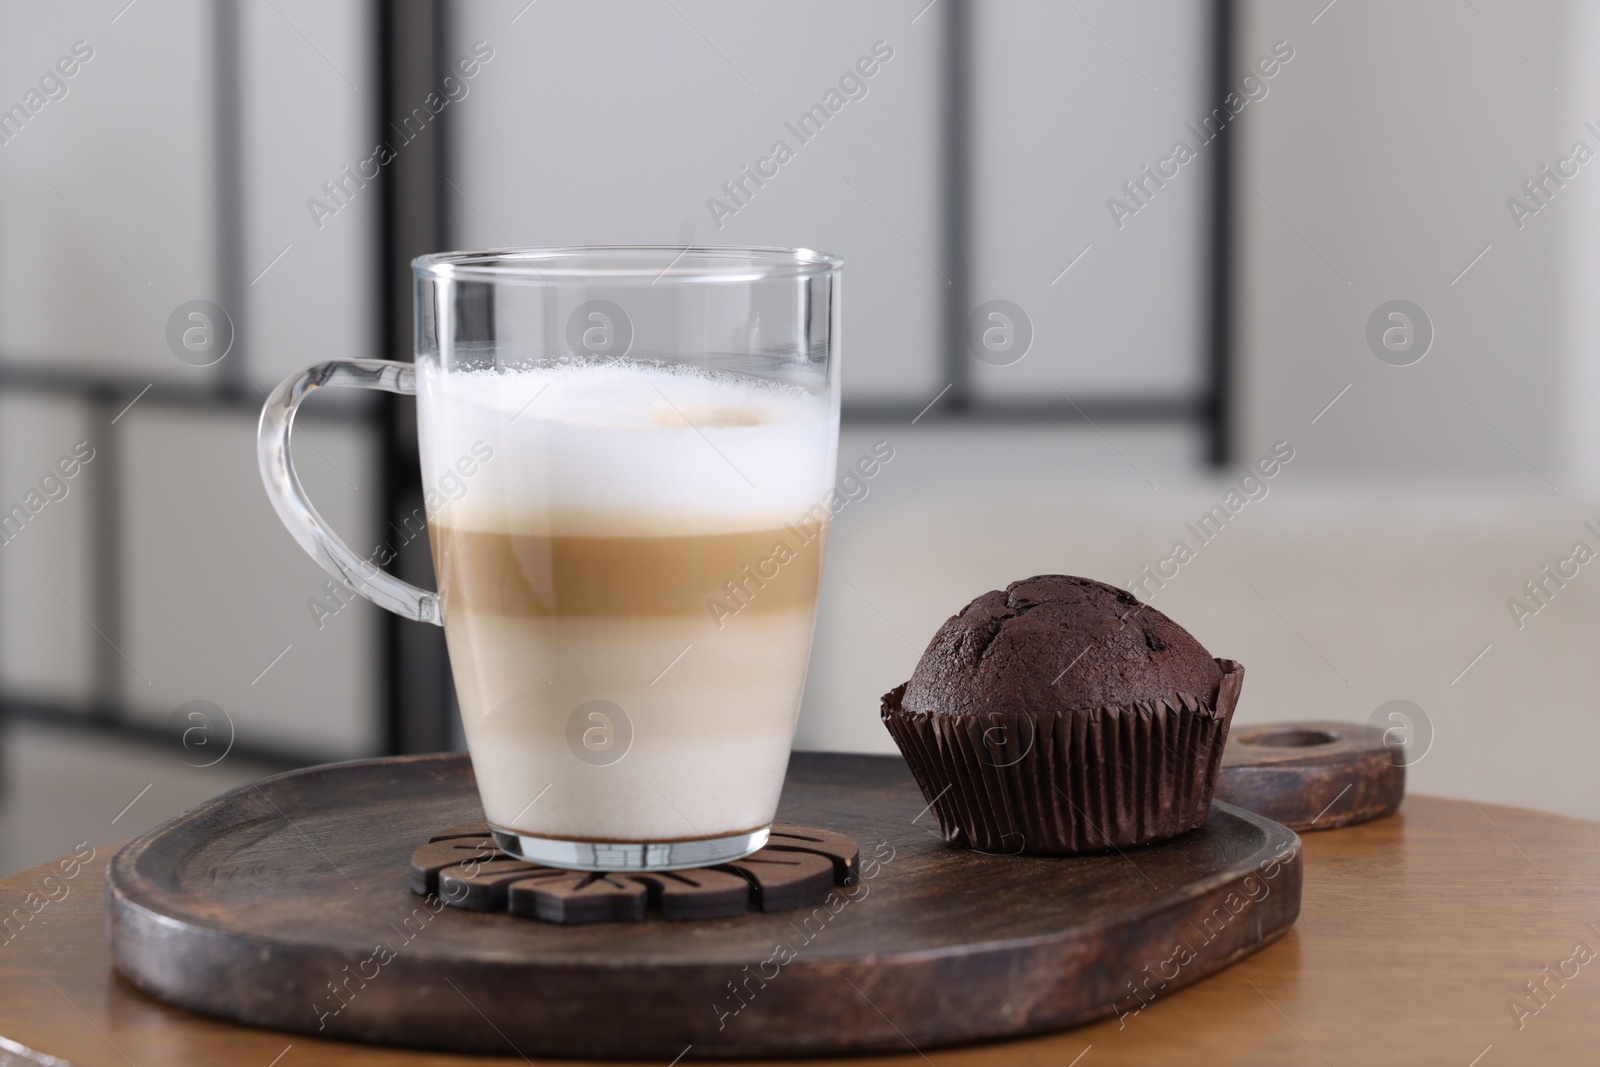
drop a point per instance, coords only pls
(1351, 243)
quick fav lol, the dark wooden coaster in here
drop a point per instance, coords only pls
(1312, 775)
(288, 904)
(800, 865)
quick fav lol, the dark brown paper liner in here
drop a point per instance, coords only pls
(1073, 781)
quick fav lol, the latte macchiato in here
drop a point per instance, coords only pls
(629, 591)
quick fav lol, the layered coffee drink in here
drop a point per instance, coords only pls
(629, 587)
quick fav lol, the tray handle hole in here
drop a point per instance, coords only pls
(1293, 738)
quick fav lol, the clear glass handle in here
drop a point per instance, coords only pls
(288, 496)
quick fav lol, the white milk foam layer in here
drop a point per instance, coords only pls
(625, 448)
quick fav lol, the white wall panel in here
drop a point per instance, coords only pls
(216, 588)
(1579, 330)
(47, 649)
(309, 110)
(106, 205)
(1382, 166)
(1070, 102)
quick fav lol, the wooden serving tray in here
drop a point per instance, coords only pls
(287, 904)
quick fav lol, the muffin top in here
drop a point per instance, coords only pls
(1058, 643)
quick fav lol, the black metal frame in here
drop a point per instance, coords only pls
(1219, 402)
(412, 60)
(416, 695)
(955, 155)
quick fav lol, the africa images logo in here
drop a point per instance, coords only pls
(599, 732)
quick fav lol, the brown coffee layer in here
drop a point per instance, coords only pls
(712, 575)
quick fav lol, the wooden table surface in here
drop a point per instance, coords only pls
(1417, 936)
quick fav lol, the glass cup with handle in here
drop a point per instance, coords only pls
(627, 454)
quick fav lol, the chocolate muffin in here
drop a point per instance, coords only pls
(1063, 715)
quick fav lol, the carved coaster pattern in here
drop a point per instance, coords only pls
(800, 865)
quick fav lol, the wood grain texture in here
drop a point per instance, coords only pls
(1416, 934)
(288, 903)
(1312, 775)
